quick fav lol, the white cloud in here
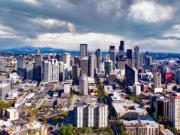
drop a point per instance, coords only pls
(34, 2)
(150, 11)
(174, 32)
(71, 41)
(49, 22)
(7, 32)
(106, 7)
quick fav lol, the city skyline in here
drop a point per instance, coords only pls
(152, 25)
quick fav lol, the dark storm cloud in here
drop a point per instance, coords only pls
(98, 16)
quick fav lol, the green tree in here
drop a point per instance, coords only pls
(69, 130)
(48, 108)
(63, 129)
(44, 119)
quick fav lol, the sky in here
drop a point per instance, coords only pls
(153, 25)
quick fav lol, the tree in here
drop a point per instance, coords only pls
(69, 130)
(44, 119)
(63, 129)
(21, 90)
(48, 108)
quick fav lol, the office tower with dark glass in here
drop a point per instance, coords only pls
(37, 67)
(121, 50)
(83, 50)
(99, 58)
(131, 75)
(108, 67)
(112, 53)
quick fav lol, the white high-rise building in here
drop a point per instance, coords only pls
(91, 65)
(4, 90)
(79, 116)
(157, 83)
(66, 57)
(103, 116)
(83, 85)
(91, 115)
(174, 110)
(50, 70)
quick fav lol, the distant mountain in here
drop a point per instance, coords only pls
(30, 49)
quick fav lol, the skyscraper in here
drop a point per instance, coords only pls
(83, 50)
(112, 53)
(74, 72)
(129, 53)
(98, 57)
(121, 49)
(108, 67)
(174, 110)
(84, 66)
(178, 76)
(129, 57)
(29, 70)
(148, 61)
(37, 67)
(66, 57)
(131, 75)
(137, 57)
(157, 80)
(91, 65)
(50, 70)
(83, 85)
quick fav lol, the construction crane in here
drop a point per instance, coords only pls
(31, 115)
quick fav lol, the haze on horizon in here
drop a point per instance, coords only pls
(154, 25)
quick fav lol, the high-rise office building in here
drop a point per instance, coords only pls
(148, 61)
(58, 57)
(61, 71)
(112, 53)
(129, 54)
(20, 62)
(66, 57)
(83, 85)
(91, 65)
(75, 72)
(108, 67)
(91, 115)
(131, 75)
(84, 66)
(50, 70)
(157, 80)
(37, 75)
(178, 76)
(121, 50)
(138, 58)
(98, 57)
(130, 57)
(174, 110)
(83, 50)
(29, 70)
(4, 90)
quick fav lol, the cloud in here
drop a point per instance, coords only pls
(49, 22)
(34, 2)
(65, 24)
(150, 11)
